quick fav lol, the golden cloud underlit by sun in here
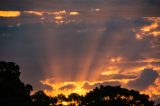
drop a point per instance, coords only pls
(74, 13)
(58, 17)
(150, 27)
(153, 90)
(149, 30)
(56, 13)
(10, 13)
(39, 13)
(117, 59)
(108, 73)
(78, 88)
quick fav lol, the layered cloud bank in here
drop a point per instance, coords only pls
(147, 82)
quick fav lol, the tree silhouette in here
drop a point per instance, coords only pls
(41, 99)
(61, 98)
(158, 104)
(54, 101)
(29, 88)
(74, 99)
(13, 92)
(115, 96)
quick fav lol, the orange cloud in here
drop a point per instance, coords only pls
(80, 87)
(117, 59)
(149, 30)
(10, 13)
(153, 91)
(39, 13)
(58, 17)
(73, 13)
(68, 88)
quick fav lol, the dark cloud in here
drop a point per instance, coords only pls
(146, 78)
(117, 76)
(97, 84)
(153, 2)
(68, 86)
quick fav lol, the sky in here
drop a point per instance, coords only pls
(65, 46)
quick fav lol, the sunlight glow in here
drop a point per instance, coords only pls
(150, 27)
(10, 13)
(66, 91)
(109, 72)
(117, 59)
(58, 17)
(39, 13)
(74, 13)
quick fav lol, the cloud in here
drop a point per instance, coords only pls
(153, 2)
(117, 76)
(10, 14)
(90, 86)
(151, 30)
(67, 87)
(146, 78)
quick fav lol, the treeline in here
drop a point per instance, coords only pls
(13, 92)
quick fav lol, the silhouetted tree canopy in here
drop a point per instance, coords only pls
(61, 98)
(13, 92)
(41, 99)
(158, 105)
(115, 96)
(74, 98)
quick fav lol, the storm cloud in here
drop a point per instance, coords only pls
(146, 78)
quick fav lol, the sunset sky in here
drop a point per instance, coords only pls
(65, 46)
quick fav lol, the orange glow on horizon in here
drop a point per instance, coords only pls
(79, 86)
(111, 69)
(66, 91)
(10, 14)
